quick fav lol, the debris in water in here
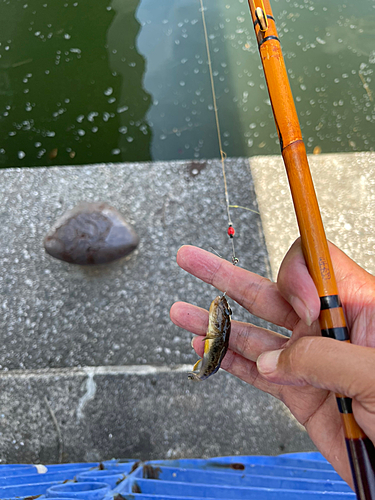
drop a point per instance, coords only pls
(53, 153)
(365, 86)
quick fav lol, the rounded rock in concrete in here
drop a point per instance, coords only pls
(89, 234)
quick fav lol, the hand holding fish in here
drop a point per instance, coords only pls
(306, 370)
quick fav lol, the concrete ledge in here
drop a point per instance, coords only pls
(345, 187)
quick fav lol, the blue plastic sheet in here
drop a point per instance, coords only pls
(306, 476)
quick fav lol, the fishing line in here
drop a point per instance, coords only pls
(223, 156)
(244, 208)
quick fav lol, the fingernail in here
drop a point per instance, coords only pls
(267, 362)
(192, 342)
(301, 309)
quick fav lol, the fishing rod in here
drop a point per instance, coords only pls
(360, 449)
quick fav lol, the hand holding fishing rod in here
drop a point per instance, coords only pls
(304, 370)
(314, 244)
(309, 371)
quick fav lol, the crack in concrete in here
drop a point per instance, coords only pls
(89, 394)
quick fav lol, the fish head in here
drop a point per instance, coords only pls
(220, 307)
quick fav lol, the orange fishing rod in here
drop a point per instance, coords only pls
(361, 450)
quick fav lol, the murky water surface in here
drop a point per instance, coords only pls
(84, 81)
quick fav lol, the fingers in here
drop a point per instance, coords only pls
(245, 339)
(328, 364)
(247, 371)
(357, 293)
(296, 285)
(349, 273)
(356, 290)
(255, 293)
(246, 343)
(191, 318)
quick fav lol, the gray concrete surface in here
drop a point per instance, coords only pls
(345, 187)
(55, 314)
(91, 365)
(122, 412)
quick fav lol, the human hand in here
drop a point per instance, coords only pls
(306, 370)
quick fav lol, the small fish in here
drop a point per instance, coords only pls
(216, 340)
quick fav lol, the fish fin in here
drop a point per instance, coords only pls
(195, 367)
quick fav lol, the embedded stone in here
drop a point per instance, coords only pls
(89, 234)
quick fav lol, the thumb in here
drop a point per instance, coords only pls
(328, 364)
(296, 285)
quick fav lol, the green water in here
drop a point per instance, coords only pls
(88, 82)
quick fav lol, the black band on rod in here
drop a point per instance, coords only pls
(345, 405)
(271, 37)
(329, 302)
(268, 17)
(338, 333)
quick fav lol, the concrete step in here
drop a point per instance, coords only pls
(97, 413)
